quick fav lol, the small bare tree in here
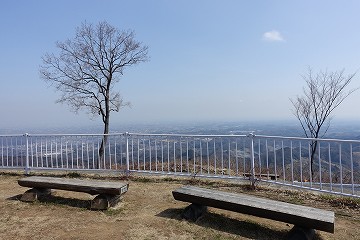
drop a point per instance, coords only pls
(89, 65)
(323, 93)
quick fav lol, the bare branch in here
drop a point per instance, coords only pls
(89, 64)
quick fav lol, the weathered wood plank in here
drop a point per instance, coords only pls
(78, 185)
(298, 215)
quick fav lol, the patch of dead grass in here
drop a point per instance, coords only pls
(148, 211)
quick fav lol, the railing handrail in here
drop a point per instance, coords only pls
(181, 135)
(185, 135)
(309, 139)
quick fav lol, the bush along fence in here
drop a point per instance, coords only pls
(333, 167)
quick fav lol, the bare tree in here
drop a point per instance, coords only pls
(323, 93)
(88, 66)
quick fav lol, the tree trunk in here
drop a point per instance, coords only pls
(103, 141)
(313, 146)
(106, 120)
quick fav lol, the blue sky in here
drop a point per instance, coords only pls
(209, 60)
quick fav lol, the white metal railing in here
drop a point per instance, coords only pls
(272, 159)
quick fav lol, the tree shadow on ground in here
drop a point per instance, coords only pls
(243, 228)
(51, 199)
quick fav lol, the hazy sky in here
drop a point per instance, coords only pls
(209, 60)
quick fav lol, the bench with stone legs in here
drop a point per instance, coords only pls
(108, 193)
(305, 219)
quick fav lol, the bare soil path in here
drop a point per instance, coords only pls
(148, 211)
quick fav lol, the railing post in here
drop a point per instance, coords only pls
(27, 167)
(252, 160)
(127, 154)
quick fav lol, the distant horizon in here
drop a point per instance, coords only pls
(171, 126)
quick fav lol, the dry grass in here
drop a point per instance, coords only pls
(148, 211)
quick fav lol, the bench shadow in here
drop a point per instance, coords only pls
(52, 199)
(246, 229)
(72, 202)
(14, 198)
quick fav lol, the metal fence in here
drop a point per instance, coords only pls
(334, 168)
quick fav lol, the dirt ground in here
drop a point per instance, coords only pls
(148, 211)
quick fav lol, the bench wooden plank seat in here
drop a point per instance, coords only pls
(108, 193)
(301, 216)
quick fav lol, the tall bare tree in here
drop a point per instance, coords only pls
(323, 93)
(89, 65)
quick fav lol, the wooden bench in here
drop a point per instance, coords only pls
(305, 219)
(108, 193)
